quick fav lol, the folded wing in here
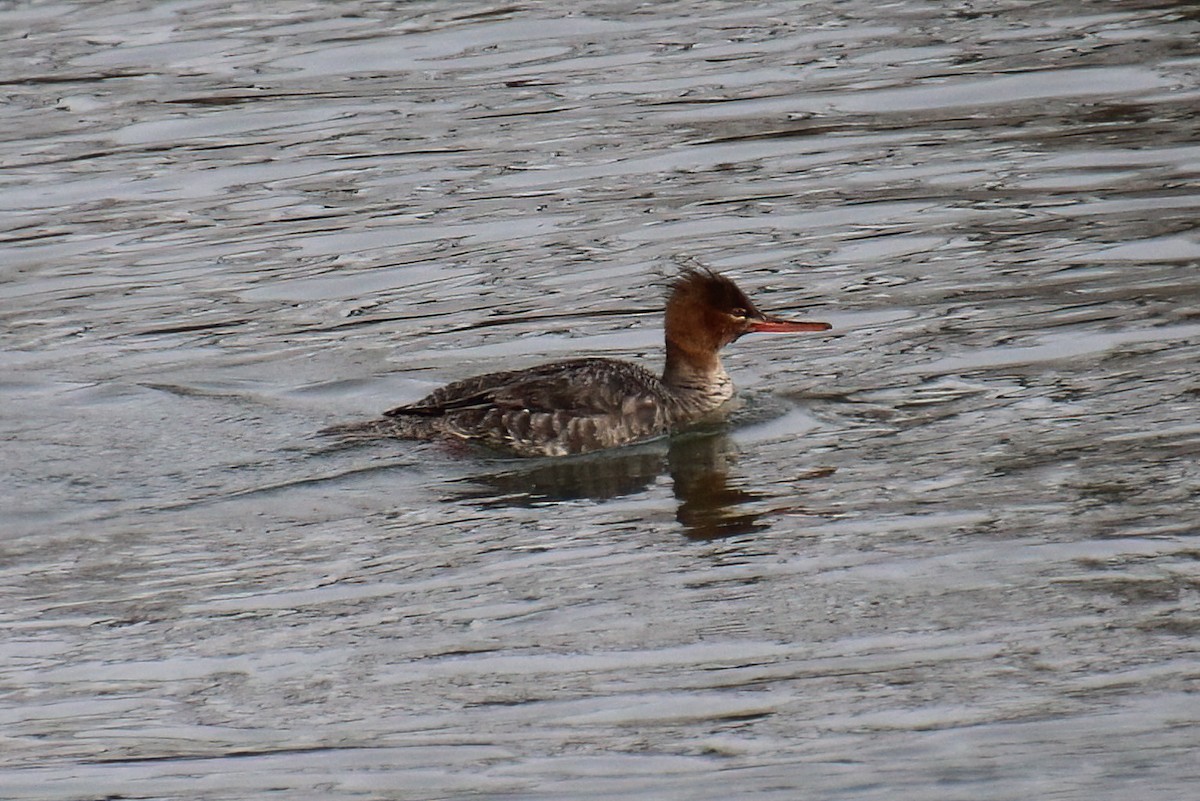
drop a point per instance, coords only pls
(578, 406)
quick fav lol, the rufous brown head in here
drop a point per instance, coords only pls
(707, 311)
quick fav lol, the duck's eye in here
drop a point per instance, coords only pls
(739, 312)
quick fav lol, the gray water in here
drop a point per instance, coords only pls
(947, 551)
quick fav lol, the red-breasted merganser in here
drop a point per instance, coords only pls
(585, 405)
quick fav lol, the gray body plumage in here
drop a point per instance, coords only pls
(554, 409)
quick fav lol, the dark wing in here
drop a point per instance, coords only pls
(564, 407)
(577, 387)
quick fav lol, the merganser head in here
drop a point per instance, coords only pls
(706, 311)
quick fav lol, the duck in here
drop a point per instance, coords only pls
(588, 404)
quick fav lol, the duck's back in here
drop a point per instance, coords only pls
(551, 410)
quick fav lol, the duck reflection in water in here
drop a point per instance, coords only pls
(700, 462)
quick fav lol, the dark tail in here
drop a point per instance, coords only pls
(381, 428)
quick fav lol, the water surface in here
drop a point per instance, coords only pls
(947, 551)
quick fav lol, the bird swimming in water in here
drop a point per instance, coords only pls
(583, 405)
